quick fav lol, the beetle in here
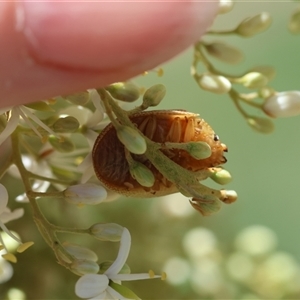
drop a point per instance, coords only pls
(160, 126)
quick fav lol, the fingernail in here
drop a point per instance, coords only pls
(110, 35)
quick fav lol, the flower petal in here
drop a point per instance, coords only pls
(124, 249)
(10, 126)
(99, 113)
(3, 198)
(8, 215)
(103, 296)
(91, 285)
(130, 277)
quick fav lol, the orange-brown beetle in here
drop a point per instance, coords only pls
(161, 126)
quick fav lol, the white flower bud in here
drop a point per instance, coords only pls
(81, 253)
(154, 95)
(132, 140)
(206, 207)
(254, 80)
(267, 71)
(229, 196)
(254, 25)
(81, 267)
(221, 176)
(225, 6)
(262, 125)
(214, 83)
(107, 232)
(61, 144)
(283, 104)
(141, 173)
(198, 150)
(124, 91)
(81, 98)
(66, 125)
(224, 52)
(294, 24)
(86, 193)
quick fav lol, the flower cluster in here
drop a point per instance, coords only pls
(257, 93)
(48, 145)
(57, 148)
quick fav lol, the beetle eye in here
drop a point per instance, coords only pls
(216, 137)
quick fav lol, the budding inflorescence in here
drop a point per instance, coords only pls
(258, 94)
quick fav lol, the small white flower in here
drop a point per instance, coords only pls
(91, 122)
(283, 104)
(6, 270)
(97, 286)
(38, 167)
(24, 113)
(86, 193)
(7, 215)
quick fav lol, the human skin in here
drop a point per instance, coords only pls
(54, 48)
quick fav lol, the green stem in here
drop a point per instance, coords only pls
(235, 97)
(4, 167)
(71, 230)
(53, 180)
(46, 229)
(221, 32)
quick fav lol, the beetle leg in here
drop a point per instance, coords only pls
(189, 130)
(148, 127)
(174, 134)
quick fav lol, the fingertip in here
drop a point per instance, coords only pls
(60, 47)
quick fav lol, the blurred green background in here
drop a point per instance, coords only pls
(265, 169)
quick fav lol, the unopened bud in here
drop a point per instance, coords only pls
(78, 98)
(254, 25)
(81, 267)
(61, 144)
(214, 83)
(154, 95)
(283, 104)
(132, 140)
(111, 232)
(267, 71)
(224, 52)
(266, 92)
(124, 91)
(141, 173)
(206, 207)
(259, 124)
(229, 196)
(225, 6)
(254, 80)
(221, 176)
(81, 253)
(294, 23)
(198, 150)
(86, 193)
(65, 125)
